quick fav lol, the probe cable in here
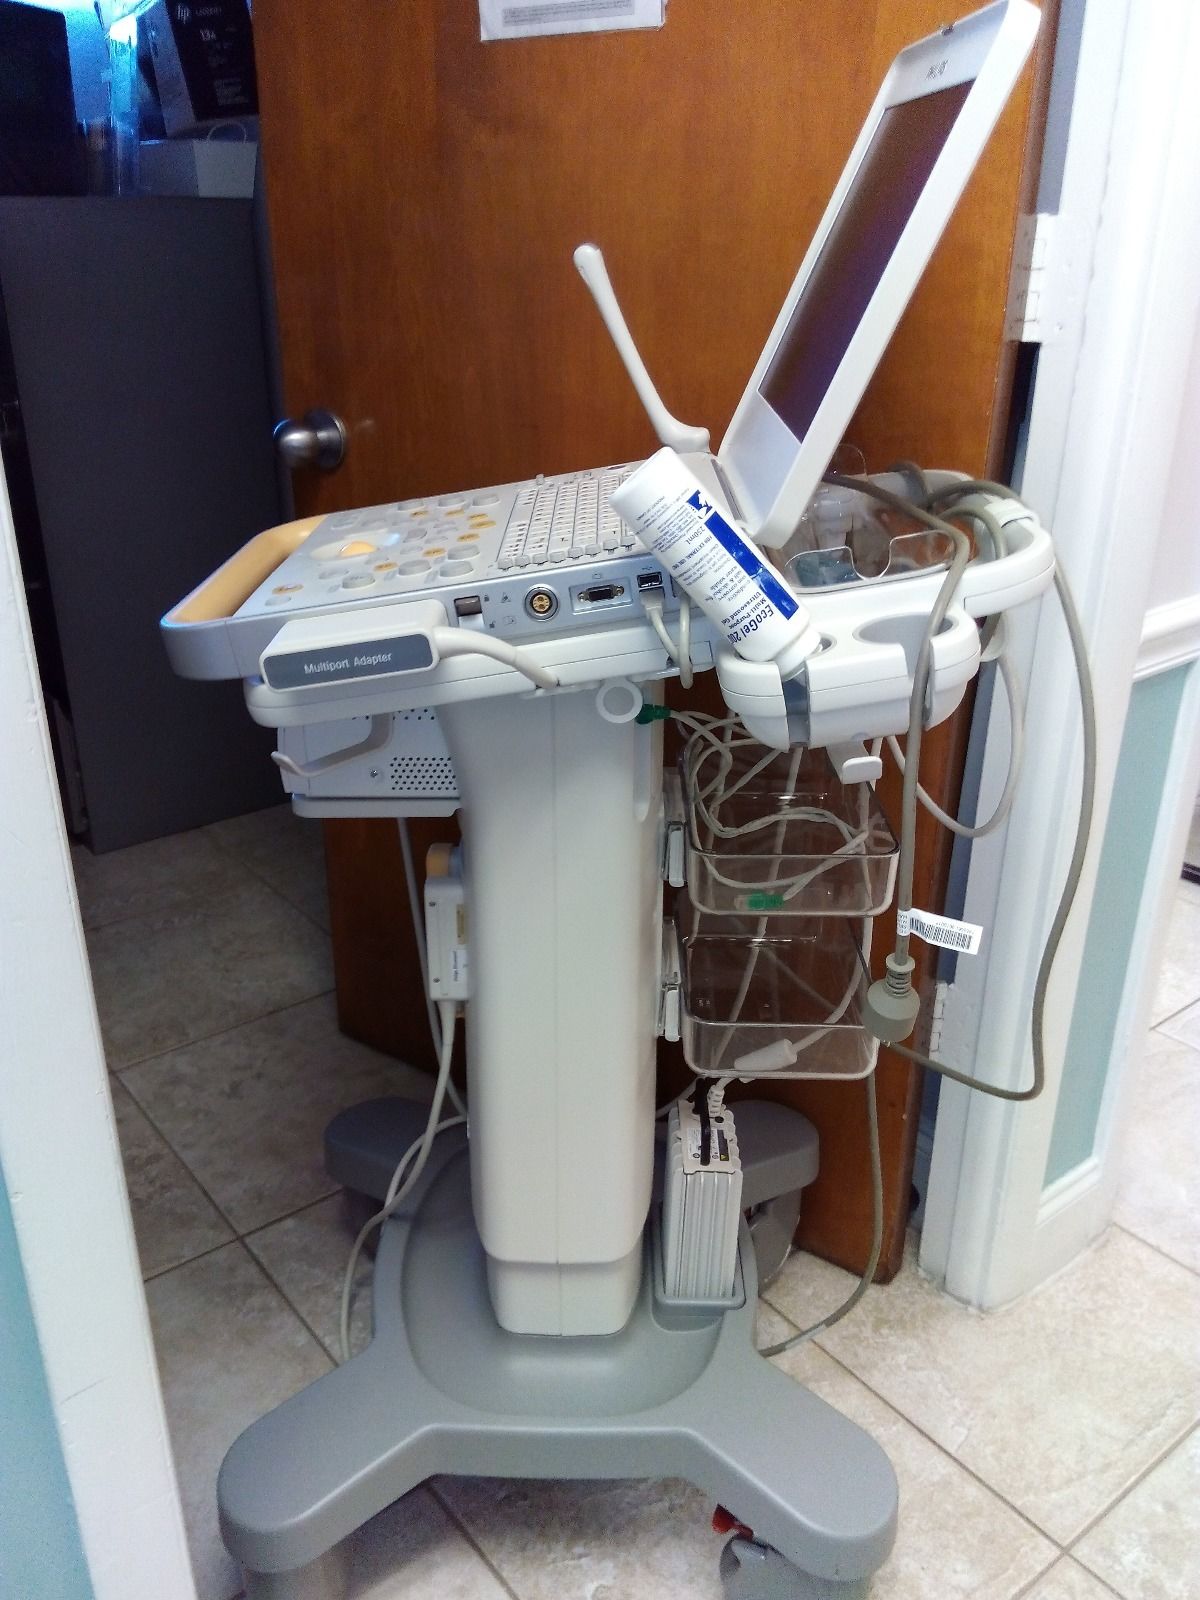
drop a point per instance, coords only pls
(405, 1177)
(1058, 926)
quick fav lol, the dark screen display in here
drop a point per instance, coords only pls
(886, 187)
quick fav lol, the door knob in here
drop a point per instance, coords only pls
(317, 439)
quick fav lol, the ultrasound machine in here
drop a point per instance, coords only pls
(567, 1275)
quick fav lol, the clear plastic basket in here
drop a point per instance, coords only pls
(776, 833)
(763, 998)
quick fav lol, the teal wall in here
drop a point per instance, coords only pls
(1129, 836)
(41, 1557)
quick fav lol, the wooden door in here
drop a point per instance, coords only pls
(425, 193)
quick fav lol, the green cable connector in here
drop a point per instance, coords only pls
(650, 713)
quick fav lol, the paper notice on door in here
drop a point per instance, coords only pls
(528, 19)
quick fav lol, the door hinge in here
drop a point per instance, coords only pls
(937, 1017)
(1036, 307)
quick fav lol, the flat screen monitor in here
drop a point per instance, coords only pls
(911, 161)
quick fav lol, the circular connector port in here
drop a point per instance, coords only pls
(541, 603)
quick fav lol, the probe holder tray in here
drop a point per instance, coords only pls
(764, 998)
(875, 556)
(831, 853)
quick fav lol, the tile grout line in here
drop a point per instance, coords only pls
(286, 1216)
(1064, 1548)
(1028, 1588)
(287, 1300)
(1069, 1545)
(248, 866)
(209, 1250)
(199, 898)
(220, 1210)
(1171, 1015)
(217, 1033)
(928, 1437)
(990, 1488)
(238, 1235)
(462, 1527)
(317, 1340)
(235, 1235)
(1157, 1249)
(1134, 1483)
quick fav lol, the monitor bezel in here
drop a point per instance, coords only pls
(771, 471)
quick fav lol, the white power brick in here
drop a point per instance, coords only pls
(446, 937)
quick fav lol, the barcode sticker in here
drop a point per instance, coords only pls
(944, 931)
(526, 19)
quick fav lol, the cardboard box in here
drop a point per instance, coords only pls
(203, 54)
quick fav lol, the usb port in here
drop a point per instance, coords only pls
(649, 580)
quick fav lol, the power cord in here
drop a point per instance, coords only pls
(681, 653)
(1070, 884)
(893, 995)
(980, 830)
(1054, 938)
(864, 1283)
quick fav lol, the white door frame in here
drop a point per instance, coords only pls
(1106, 401)
(62, 1163)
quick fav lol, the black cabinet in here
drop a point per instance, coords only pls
(136, 420)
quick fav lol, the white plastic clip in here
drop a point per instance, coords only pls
(381, 730)
(854, 763)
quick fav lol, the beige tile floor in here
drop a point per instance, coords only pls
(1049, 1450)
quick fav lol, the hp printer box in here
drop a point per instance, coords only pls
(203, 53)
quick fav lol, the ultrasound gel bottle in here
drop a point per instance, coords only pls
(718, 568)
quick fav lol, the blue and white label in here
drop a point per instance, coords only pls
(749, 560)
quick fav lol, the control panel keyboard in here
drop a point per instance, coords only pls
(518, 559)
(566, 519)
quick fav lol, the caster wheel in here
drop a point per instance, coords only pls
(754, 1571)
